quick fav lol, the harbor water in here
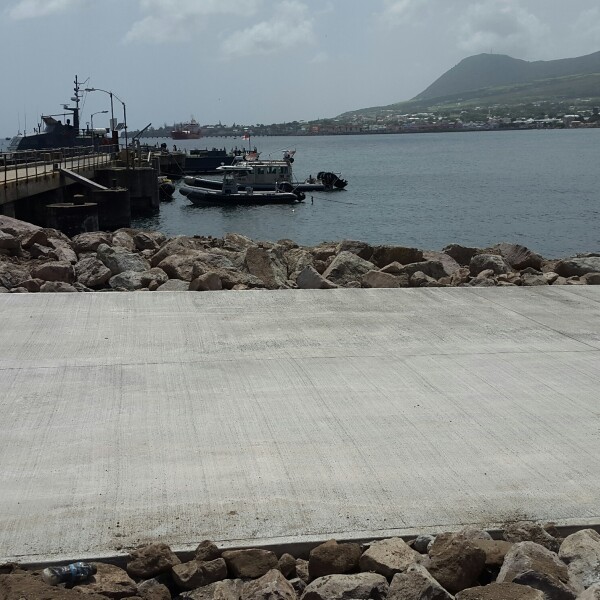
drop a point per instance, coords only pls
(539, 188)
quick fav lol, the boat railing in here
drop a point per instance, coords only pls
(21, 165)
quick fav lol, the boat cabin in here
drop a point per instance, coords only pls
(260, 172)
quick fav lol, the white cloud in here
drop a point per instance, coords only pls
(30, 9)
(289, 26)
(587, 29)
(397, 12)
(168, 21)
(501, 26)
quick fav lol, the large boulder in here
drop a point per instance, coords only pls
(495, 550)
(237, 242)
(209, 282)
(271, 586)
(228, 589)
(528, 563)
(310, 279)
(592, 593)
(109, 581)
(89, 241)
(501, 591)
(449, 264)
(92, 272)
(229, 277)
(455, 562)
(361, 249)
(384, 255)
(195, 573)
(62, 246)
(176, 245)
(119, 259)
(297, 260)
(347, 267)
(483, 262)
(55, 271)
(378, 279)
(151, 560)
(519, 257)
(253, 562)
(153, 589)
(11, 275)
(526, 531)
(581, 552)
(570, 267)
(123, 239)
(23, 585)
(145, 240)
(432, 268)
(388, 557)
(331, 558)
(173, 285)
(360, 586)
(461, 254)
(57, 286)
(10, 243)
(17, 227)
(268, 265)
(416, 583)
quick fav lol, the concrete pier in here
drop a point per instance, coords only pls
(263, 417)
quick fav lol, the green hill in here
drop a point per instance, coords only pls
(491, 79)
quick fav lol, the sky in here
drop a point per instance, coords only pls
(260, 61)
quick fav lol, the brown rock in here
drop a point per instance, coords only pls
(252, 562)
(268, 265)
(455, 562)
(39, 251)
(151, 560)
(501, 591)
(20, 229)
(310, 279)
(360, 586)
(271, 586)
(388, 557)
(324, 252)
(152, 589)
(287, 565)
(416, 584)
(10, 242)
(36, 237)
(483, 262)
(207, 550)
(495, 551)
(592, 593)
(55, 271)
(528, 563)
(332, 558)
(32, 285)
(30, 586)
(378, 279)
(361, 249)
(302, 570)
(57, 286)
(581, 552)
(174, 285)
(347, 267)
(194, 574)
(461, 254)
(384, 255)
(519, 257)
(237, 242)
(89, 241)
(109, 581)
(525, 531)
(145, 241)
(228, 589)
(205, 283)
(449, 264)
(12, 275)
(122, 239)
(92, 273)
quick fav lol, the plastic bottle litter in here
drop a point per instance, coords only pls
(79, 571)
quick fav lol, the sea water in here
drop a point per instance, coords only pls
(539, 188)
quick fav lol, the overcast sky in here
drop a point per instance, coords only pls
(262, 61)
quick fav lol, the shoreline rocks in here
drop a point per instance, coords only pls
(451, 565)
(35, 259)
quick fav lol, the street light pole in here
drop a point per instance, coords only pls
(100, 112)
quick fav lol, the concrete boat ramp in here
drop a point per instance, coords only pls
(256, 418)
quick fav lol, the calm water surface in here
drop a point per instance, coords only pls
(537, 188)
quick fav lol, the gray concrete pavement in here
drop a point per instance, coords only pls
(256, 417)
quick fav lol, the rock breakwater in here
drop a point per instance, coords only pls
(532, 562)
(35, 259)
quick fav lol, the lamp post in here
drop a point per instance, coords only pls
(112, 116)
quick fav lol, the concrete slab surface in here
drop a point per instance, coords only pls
(257, 417)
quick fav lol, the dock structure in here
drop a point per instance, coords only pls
(30, 181)
(286, 417)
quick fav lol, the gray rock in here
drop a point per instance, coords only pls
(57, 286)
(16, 227)
(119, 259)
(501, 591)
(519, 257)
(384, 255)
(360, 586)
(153, 589)
(35, 237)
(298, 584)
(229, 589)
(32, 285)
(416, 584)
(237, 242)
(581, 552)
(526, 531)
(252, 562)
(177, 245)
(378, 279)
(145, 241)
(271, 586)
(482, 262)
(89, 241)
(268, 265)
(297, 260)
(55, 271)
(109, 581)
(495, 550)
(592, 593)
(449, 264)
(310, 279)
(39, 251)
(61, 247)
(4, 290)
(287, 565)
(153, 276)
(361, 249)
(195, 573)
(470, 532)
(122, 239)
(528, 563)
(128, 280)
(422, 542)
(571, 267)
(207, 550)
(151, 560)
(324, 252)
(174, 285)
(531, 280)
(10, 242)
(12, 275)
(331, 558)
(302, 569)
(347, 267)
(92, 273)
(388, 557)
(420, 279)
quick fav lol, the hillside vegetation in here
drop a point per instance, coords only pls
(492, 79)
